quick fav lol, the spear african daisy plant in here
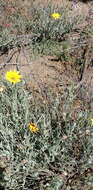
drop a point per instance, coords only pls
(91, 120)
(56, 16)
(42, 146)
(13, 76)
(33, 128)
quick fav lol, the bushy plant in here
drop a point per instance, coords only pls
(56, 155)
(48, 26)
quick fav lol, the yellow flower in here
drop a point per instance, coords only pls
(91, 120)
(13, 76)
(56, 15)
(33, 128)
(2, 88)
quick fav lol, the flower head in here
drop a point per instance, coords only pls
(56, 16)
(13, 76)
(91, 120)
(33, 127)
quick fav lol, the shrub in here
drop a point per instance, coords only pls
(57, 156)
(45, 25)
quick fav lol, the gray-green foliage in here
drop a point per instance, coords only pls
(42, 22)
(5, 39)
(48, 32)
(47, 159)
